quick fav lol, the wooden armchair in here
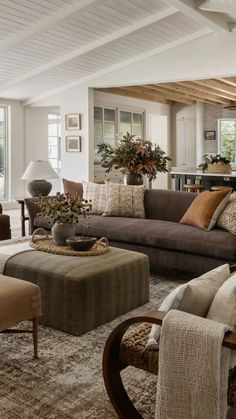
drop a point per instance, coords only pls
(121, 351)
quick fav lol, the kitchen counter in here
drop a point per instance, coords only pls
(206, 179)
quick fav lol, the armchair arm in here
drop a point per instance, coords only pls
(5, 230)
(112, 365)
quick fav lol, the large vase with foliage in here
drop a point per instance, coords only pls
(134, 156)
(63, 212)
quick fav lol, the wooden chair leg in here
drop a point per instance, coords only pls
(35, 336)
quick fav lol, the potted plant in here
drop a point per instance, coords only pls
(215, 164)
(135, 157)
(63, 211)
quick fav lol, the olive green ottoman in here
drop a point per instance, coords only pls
(81, 293)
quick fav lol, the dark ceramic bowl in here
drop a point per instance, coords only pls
(81, 242)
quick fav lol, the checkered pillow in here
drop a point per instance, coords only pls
(97, 194)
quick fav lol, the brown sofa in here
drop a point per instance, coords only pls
(5, 230)
(167, 243)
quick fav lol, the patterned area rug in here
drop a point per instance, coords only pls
(66, 382)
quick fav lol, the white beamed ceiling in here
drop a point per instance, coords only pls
(47, 45)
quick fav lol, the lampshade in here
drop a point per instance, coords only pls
(39, 170)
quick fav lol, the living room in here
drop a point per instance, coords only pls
(78, 73)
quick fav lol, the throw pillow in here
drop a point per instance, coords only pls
(72, 187)
(96, 193)
(194, 297)
(227, 219)
(205, 209)
(124, 201)
(223, 308)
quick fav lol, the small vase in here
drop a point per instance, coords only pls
(61, 231)
(133, 179)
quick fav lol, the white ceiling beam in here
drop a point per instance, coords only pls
(118, 66)
(45, 24)
(218, 6)
(212, 20)
(90, 47)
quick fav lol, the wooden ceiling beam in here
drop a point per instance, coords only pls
(130, 93)
(168, 95)
(231, 81)
(195, 94)
(219, 84)
(208, 89)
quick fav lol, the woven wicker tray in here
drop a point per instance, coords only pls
(45, 244)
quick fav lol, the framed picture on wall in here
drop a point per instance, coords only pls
(73, 144)
(210, 135)
(73, 121)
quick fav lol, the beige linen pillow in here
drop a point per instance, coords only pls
(72, 187)
(194, 297)
(223, 308)
(96, 193)
(205, 209)
(227, 219)
(124, 201)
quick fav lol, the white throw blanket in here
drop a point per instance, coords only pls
(193, 368)
(12, 248)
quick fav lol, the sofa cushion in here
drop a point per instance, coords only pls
(205, 209)
(162, 204)
(96, 193)
(194, 297)
(124, 201)
(164, 234)
(227, 219)
(72, 187)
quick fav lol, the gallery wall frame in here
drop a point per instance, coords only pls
(210, 135)
(73, 144)
(73, 121)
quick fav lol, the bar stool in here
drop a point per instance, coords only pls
(193, 187)
(221, 188)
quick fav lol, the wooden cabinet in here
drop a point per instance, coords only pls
(185, 142)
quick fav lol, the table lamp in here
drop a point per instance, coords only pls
(39, 172)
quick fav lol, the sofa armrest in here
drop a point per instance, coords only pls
(5, 230)
(33, 208)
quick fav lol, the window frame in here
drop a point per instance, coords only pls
(6, 189)
(58, 145)
(233, 163)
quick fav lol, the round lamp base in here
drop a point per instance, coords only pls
(39, 187)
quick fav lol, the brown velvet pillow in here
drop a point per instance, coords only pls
(72, 187)
(205, 209)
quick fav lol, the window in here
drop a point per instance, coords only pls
(3, 153)
(131, 122)
(111, 123)
(54, 141)
(227, 138)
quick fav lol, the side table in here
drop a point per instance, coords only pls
(23, 217)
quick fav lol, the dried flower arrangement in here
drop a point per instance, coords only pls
(63, 208)
(134, 155)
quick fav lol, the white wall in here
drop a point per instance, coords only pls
(36, 138)
(75, 165)
(16, 147)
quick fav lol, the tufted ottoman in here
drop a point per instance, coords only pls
(81, 293)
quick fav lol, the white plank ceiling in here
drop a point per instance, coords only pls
(47, 45)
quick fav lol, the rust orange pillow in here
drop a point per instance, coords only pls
(205, 209)
(72, 187)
